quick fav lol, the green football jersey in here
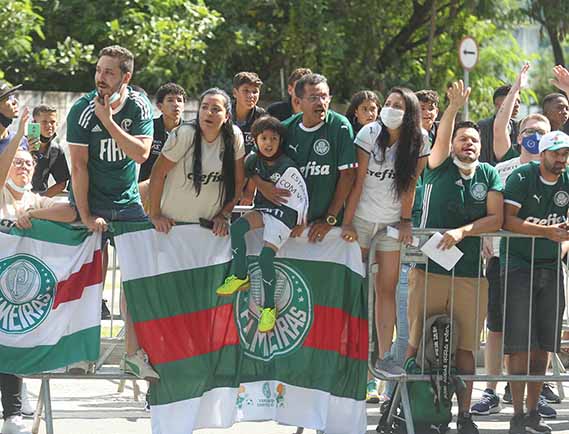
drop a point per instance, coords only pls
(254, 165)
(539, 202)
(511, 154)
(112, 175)
(450, 201)
(321, 153)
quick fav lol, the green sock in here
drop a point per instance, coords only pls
(239, 248)
(268, 274)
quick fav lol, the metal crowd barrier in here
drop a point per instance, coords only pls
(413, 255)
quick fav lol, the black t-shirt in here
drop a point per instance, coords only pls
(53, 163)
(281, 110)
(160, 136)
(245, 127)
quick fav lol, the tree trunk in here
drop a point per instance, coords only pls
(556, 45)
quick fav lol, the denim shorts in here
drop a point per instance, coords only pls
(546, 298)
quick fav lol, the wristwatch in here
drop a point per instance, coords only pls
(331, 220)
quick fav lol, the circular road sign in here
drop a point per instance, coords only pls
(468, 53)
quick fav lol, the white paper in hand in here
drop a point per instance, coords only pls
(445, 258)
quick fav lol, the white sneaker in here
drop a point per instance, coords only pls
(138, 365)
(27, 409)
(14, 425)
(79, 368)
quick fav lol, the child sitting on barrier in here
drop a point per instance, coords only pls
(270, 164)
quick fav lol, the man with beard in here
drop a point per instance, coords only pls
(50, 157)
(464, 196)
(109, 131)
(487, 126)
(536, 204)
(321, 142)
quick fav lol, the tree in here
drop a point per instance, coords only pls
(553, 16)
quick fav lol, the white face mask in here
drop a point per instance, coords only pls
(17, 188)
(464, 166)
(391, 117)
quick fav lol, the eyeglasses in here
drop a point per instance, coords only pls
(317, 98)
(20, 162)
(529, 131)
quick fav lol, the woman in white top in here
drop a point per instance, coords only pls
(391, 155)
(200, 172)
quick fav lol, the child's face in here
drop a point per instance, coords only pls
(247, 95)
(268, 142)
(366, 112)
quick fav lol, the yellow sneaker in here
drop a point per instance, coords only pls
(267, 320)
(233, 284)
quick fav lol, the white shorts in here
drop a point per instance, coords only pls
(275, 231)
(366, 231)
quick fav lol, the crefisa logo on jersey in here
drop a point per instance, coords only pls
(126, 124)
(479, 191)
(321, 146)
(27, 290)
(294, 307)
(561, 198)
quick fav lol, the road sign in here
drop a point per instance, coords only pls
(468, 53)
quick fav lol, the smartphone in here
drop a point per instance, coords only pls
(205, 223)
(34, 136)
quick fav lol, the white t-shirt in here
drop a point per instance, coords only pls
(506, 167)
(179, 198)
(11, 209)
(379, 202)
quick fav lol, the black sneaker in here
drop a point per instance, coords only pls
(507, 398)
(465, 425)
(549, 395)
(105, 312)
(488, 404)
(533, 424)
(517, 424)
(545, 410)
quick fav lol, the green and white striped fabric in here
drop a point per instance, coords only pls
(50, 297)
(215, 368)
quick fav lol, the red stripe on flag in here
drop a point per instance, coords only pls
(335, 330)
(72, 289)
(187, 335)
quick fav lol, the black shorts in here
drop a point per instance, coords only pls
(547, 300)
(495, 306)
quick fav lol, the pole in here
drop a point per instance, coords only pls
(283, 91)
(466, 80)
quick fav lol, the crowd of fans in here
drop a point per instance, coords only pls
(396, 163)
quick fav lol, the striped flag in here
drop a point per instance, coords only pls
(50, 297)
(215, 368)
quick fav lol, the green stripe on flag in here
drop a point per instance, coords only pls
(83, 345)
(180, 292)
(51, 232)
(190, 291)
(312, 369)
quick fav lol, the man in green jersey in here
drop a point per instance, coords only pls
(109, 130)
(465, 197)
(536, 204)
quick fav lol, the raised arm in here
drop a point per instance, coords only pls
(457, 95)
(136, 148)
(561, 80)
(7, 156)
(502, 142)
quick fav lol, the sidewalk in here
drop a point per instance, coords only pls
(95, 407)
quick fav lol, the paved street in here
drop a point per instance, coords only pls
(95, 407)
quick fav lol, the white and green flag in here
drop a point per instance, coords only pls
(50, 297)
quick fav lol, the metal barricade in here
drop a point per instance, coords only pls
(414, 255)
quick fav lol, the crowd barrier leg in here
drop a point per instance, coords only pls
(558, 369)
(39, 410)
(47, 404)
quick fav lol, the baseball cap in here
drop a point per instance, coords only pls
(553, 141)
(6, 89)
